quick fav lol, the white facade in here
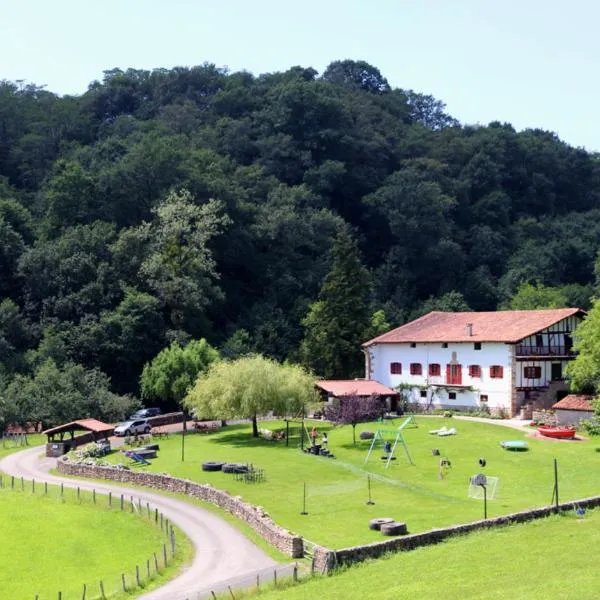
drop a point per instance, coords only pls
(507, 375)
(454, 385)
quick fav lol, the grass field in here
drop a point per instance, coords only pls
(337, 489)
(550, 559)
(8, 446)
(52, 544)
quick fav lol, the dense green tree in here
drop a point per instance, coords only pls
(338, 322)
(174, 370)
(250, 387)
(584, 371)
(54, 395)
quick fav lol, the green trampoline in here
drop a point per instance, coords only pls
(514, 445)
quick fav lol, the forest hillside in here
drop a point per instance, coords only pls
(168, 205)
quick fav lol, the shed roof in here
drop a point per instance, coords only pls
(355, 387)
(508, 326)
(83, 424)
(575, 402)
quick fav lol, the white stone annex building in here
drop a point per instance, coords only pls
(507, 361)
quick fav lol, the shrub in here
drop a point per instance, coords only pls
(591, 426)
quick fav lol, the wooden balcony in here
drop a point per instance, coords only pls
(530, 351)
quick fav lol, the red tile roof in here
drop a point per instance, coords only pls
(85, 424)
(575, 402)
(509, 326)
(354, 387)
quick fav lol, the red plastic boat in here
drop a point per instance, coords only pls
(563, 433)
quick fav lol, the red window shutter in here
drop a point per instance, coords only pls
(474, 371)
(434, 370)
(415, 369)
(396, 368)
(448, 373)
(496, 372)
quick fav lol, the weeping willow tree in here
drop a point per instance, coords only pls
(249, 387)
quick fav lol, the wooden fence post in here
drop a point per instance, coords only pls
(155, 562)
(137, 575)
(123, 582)
(102, 595)
(165, 554)
(84, 592)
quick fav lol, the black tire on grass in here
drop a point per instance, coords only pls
(234, 468)
(212, 466)
(393, 528)
(376, 524)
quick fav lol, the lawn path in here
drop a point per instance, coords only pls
(222, 553)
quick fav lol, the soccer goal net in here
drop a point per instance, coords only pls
(476, 491)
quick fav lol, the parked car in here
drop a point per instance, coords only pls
(133, 427)
(144, 413)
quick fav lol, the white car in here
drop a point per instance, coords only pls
(136, 427)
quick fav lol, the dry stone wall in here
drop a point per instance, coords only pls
(256, 517)
(325, 560)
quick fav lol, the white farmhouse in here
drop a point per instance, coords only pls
(507, 361)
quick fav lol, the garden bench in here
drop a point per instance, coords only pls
(206, 427)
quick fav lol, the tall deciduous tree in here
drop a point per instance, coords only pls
(352, 410)
(338, 322)
(181, 269)
(584, 371)
(55, 395)
(173, 372)
(249, 387)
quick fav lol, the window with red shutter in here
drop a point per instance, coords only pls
(396, 368)
(435, 370)
(532, 372)
(496, 372)
(474, 371)
(416, 369)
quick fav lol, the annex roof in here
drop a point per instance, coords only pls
(354, 387)
(575, 402)
(509, 326)
(83, 424)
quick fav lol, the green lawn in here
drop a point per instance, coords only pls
(337, 489)
(51, 544)
(550, 559)
(8, 446)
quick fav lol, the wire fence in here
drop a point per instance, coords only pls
(244, 585)
(135, 576)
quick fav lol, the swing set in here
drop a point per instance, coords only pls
(390, 438)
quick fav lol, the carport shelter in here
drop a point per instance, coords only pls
(61, 439)
(361, 388)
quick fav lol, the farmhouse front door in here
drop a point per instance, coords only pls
(556, 372)
(454, 374)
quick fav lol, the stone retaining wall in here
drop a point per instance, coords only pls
(255, 516)
(324, 559)
(168, 419)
